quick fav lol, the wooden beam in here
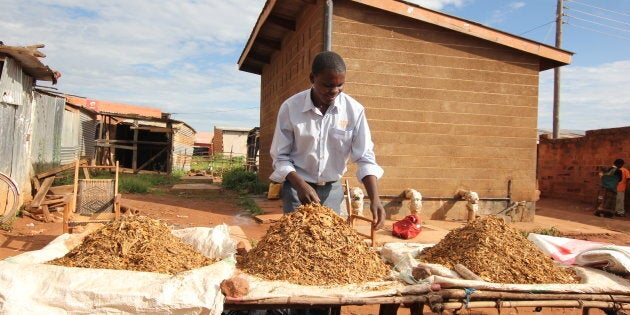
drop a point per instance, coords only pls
(58, 169)
(150, 160)
(47, 217)
(134, 154)
(152, 128)
(41, 193)
(269, 43)
(116, 146)
(260, 58)
(105, 142)
(281, 21)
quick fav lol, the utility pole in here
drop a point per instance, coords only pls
(556, 73)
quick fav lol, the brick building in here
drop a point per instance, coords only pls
(451, 104)
(568, 168)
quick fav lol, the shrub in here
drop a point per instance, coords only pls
(245, 182)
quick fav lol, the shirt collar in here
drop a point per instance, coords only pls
(309, 105)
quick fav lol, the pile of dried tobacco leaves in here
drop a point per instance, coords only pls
(134, 243)
(490, 248)
(313, 246)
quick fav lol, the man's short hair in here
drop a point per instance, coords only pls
(618, 163)
(328, 60)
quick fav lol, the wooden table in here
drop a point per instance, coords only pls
(447, 299)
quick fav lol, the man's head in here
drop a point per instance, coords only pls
(328, 60)
(328, 75)
(618, 163)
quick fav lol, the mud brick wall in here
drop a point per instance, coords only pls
(447, 111)
(568, 168)
(217, 140)
(286, 74)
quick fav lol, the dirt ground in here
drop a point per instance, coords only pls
(196, 207)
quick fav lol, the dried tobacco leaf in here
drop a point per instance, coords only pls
(134, 243)
(493, 250)
(313, 246)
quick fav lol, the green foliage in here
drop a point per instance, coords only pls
(217, 165)
(133, 185)
(249, 205)
(141, 183)
(244, 182)
(179, 173)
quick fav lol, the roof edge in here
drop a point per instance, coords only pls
(269, 4)
(557, 55)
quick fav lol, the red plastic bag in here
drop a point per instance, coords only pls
(409, 227)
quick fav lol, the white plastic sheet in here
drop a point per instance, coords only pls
(612, 258)
(592, 280)
(27, 286)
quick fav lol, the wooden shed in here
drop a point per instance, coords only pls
(452, 104)
(144, 143)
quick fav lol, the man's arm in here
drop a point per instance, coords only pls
(378, 212)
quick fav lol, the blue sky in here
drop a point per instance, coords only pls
(180, 56)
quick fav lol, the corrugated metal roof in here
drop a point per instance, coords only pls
(278, 19)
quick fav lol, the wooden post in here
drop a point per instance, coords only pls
(116, 196)
(134, 159)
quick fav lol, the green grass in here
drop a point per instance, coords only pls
(217, 165)
(234, 177)
(142, 183)
(250, 205)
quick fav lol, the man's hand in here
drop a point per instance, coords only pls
(378, 212)
(306, 193)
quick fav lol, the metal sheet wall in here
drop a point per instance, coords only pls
(15, 117)
(47, 131)
(88, 135)
(70, 137)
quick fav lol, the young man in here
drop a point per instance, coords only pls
(317, 132)
(623, 175)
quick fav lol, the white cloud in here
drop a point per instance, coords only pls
(591, 97)
(504, 12)
(438, 4)
(179, 56)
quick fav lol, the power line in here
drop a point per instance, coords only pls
(599, 8)
(537, 27)
(218, 111)
(597, 31)
(596, 23)
(598, 16)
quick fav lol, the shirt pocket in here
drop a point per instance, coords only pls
(341, 137)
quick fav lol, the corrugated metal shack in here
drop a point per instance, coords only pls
(144, 143)
(28, 117)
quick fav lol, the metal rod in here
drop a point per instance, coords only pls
(328, 16)
(456, 198)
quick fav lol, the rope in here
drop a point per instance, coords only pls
(468, 291)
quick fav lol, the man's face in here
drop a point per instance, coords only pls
(326, 86)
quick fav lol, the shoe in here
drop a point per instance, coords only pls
(621, 215)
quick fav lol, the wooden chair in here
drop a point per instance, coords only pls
(93, 200)
(353, 217)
